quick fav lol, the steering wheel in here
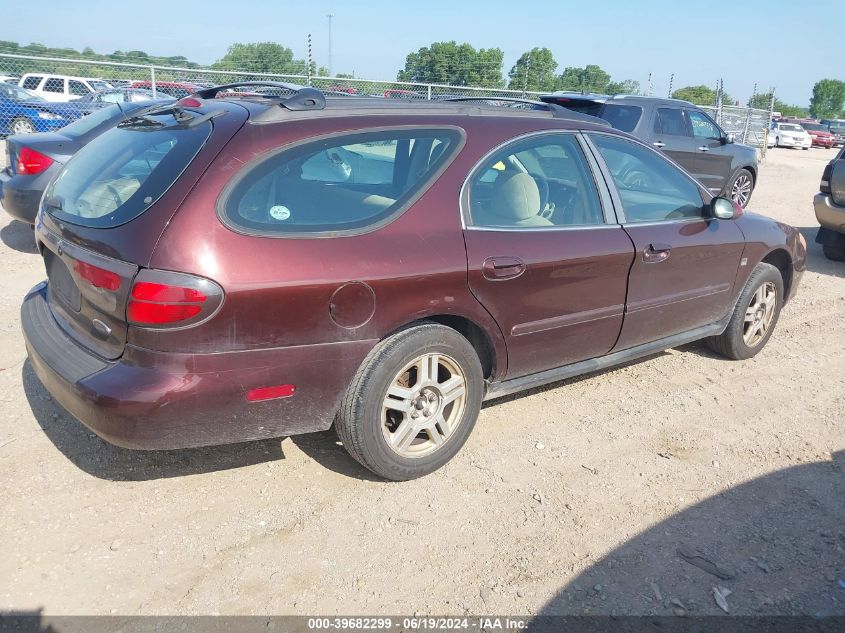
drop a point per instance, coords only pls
(543, 188)
(637, 179)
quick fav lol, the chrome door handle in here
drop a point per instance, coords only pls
(703, 148)
(659, 144)
(499, 268)
(656, 253)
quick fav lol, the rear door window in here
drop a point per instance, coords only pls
(123, 172)
(340, 184)
(670, 121)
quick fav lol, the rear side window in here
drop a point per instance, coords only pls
(54, 85)
(31, 83)
(343, 183)
(123, 172)
(622, 117)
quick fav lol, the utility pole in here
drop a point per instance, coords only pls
(330, 16)
(671, 81)
(527, 70)
(650, 86)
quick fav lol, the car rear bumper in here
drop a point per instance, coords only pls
(823, 142)
(21, 195)
(829, 214)
(158, 400)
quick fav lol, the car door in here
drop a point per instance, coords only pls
(672, 135)
(686, 262)
(714, 158)
(544, 257)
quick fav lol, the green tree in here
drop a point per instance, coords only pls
(624, 87)
(591, 78)
(701, 95)
(828, 98)
(534, 70)
(455, 64)
(763, 102)
(261, 57)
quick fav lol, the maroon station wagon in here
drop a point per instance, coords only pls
(222, 270)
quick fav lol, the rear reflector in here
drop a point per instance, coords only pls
(98, 277)
(31, 163)
(270, 393)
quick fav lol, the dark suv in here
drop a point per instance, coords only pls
(241, 268)
(683, 131)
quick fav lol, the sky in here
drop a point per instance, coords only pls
(775, 43)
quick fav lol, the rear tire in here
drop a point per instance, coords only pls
(755, 315)
(22, 125)
(413, 402)
(740, 187)
(834, 253)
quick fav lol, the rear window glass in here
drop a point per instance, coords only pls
(82, 126)
(123, 172)
(622, 117)
(343, 183)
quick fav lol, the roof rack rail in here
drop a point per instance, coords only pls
(303, 98)
(558, 111)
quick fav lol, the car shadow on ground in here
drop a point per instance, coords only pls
(106, 461)
(776, 543)
(816, 261)
(19, 236)
(326, 449)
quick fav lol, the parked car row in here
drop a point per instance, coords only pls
(804, 133)
(436, 254)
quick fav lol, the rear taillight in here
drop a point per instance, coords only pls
(32, 163)
(97, 277)
(160, 299)
(824, 187)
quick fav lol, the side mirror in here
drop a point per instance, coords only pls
(729, 139)
(725, 209)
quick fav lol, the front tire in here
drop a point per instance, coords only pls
(413, 402)
(755, 315)
(22, 125)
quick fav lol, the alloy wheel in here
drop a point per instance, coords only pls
(424, 405)
(22, 126)
(759, 314)
(741, 190)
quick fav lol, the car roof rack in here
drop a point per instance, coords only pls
(558, 111)
(303, 98)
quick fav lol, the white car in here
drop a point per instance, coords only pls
(789, 135)
(61, 87)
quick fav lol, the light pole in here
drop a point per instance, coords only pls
(330, 16)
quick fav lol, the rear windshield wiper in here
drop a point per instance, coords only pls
(183, 119)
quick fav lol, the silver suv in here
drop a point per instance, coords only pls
(830, 209)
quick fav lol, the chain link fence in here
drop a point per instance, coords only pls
(748, 125)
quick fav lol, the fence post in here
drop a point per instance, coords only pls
(429, 92)
(153, 81)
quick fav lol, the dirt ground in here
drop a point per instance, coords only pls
(579, 498)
